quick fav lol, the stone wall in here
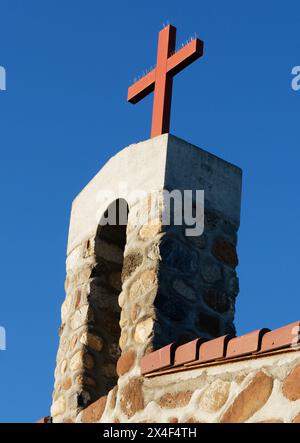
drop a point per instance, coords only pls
(261, 390)
(167, 288)
(90, 330)
(128, 293)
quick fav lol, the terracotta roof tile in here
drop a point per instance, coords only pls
(201, 351)
(188, 352)
(281, 337)
(212, 349)
(160, 359)
(245, 344)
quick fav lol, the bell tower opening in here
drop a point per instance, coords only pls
(105, 288)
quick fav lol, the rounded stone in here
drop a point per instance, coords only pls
(226, 252)
(76, 361)
(175, 400)
(211, 272)
(67, 384)
(125, 362)
(291, 385)
(215, 396)
(94, 412)
(179, 256)
(250, 400)
(63, 366)
(217, 299)
(143, 285)
(171, 305)
(132, 398)
(143, 330)
(186, 291)
(92, 341)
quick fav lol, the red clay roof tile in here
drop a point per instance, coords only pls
(160, 359)
(245, 344)
(199, 351)
(281, 337)
(213, 349)
(188, 352)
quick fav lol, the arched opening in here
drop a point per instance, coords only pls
(105, 288)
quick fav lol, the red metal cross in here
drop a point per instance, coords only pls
(160, 79)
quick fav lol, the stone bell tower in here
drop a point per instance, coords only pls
(136, 286)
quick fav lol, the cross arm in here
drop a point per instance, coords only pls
(185, 56)
(141, 88)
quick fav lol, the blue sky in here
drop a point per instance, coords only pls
(69, 63)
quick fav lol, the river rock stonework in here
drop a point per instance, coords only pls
(137, 287)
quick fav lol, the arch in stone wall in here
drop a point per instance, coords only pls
(105, 287)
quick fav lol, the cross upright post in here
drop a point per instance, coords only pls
(163, 83)
(160, 79)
